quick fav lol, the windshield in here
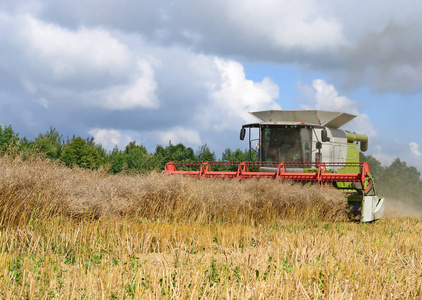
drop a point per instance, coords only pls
(289, 144)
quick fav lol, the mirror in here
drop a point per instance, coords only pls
(242, 133)
(324, 136)
(319, 145)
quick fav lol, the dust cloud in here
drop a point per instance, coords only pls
(399, 209)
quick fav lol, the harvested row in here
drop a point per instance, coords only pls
(126, 259)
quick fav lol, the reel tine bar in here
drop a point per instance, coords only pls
(317, 172)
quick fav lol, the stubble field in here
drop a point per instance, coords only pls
(77, 234)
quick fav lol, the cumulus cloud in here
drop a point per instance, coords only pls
(109, 138)
(286, 24)
(281, 24)
(90, 66)
(324, 96)
(140, 93)
(414, 148)
(355, 42)
(235, 96)
(67, 54)
(179, 135)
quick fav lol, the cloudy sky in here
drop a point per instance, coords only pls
(189, 71)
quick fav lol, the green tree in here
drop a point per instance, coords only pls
(136, 157)
(163, 155)
(204, 154)
(397, 181)
(377, 170)
(401, 170)
(8, 138)
(50, 143)
(178, 152)
(133, 159)
(237, 155)
(117, 163)
(79, 152)
(402, 181)
(102, 152)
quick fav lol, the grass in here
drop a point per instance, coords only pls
(75, 234)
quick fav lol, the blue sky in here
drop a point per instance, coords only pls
(189, 71)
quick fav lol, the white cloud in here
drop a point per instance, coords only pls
(235, 96)
(179, 135)
(140, 93)
(69, 54)
(414, 148)
(287, 24)
(109, 138)
(354, 42)
(327, 98)
(324, 96)
(91, 66)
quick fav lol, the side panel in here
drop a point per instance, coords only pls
(352, 153)
(336, 150)
(352, 156)
(372, 208)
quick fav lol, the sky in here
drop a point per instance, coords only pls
(190, 71)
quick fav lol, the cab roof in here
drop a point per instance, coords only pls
(310, 117)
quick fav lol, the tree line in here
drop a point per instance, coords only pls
(85, 153)
(397, 181)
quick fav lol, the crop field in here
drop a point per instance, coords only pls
(77, 234)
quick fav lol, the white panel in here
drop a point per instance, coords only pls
(367, 208)
(315, 117)
(372, 208)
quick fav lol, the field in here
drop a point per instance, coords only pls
(78, 234)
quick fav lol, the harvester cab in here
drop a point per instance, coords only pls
(305, 136)
(301, 146)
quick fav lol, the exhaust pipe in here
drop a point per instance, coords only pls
(355, 137)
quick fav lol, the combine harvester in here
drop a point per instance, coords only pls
(302, 146)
